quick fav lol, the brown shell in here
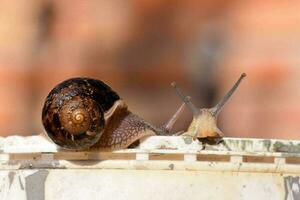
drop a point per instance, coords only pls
(73, 113)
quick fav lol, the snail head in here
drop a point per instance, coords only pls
(204, 123)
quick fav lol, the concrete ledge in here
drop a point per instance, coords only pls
(31, 144)
(34, 168)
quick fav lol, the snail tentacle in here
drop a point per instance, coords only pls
(204, 123)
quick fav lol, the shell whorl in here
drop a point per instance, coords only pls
(76, 115)
(73, 113)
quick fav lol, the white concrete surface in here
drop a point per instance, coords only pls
(32, 168)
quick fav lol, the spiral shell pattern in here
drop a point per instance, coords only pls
(73, 113)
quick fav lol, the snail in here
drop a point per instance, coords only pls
(204, 123)
(82, 113)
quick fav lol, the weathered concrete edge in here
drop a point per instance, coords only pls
(20, 144)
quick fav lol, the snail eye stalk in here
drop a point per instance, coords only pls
(169, 125)
(186, 99)
(216, 110)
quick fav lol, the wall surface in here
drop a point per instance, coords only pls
(162, 167)
(144, 185)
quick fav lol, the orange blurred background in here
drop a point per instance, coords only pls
(139, 46)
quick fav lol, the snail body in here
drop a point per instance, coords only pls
(83, 113)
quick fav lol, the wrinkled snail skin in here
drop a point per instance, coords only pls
(123, 129)
(84, 113)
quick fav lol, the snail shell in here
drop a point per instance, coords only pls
(82, 112)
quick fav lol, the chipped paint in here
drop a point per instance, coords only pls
(289, 147)
(292, 188)
(35, 185)
(33, 164)
(171, 166)
(188, 140)
(267, 144)
(21, 184)
(11, 176)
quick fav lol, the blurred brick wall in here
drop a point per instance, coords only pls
(18, 34)
(264, 42)
(139, 47)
